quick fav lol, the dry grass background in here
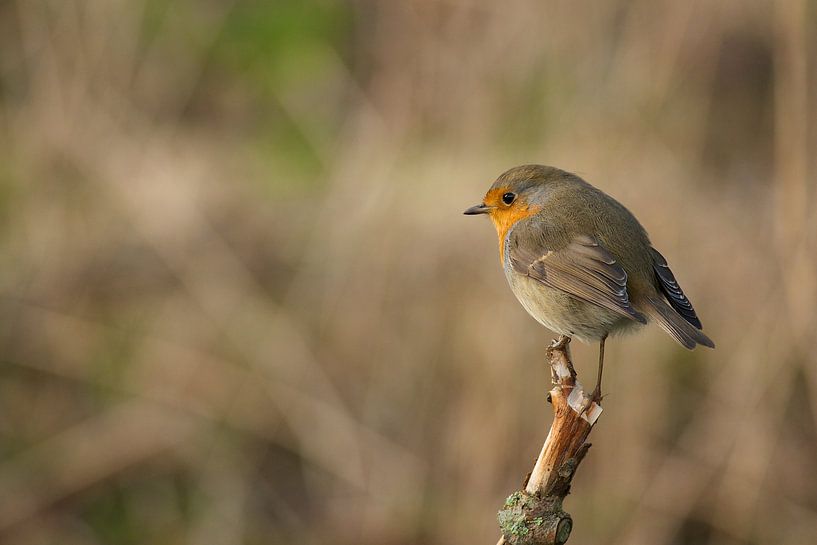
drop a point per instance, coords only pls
(240, 304)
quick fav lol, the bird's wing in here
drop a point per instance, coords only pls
(672, 290)
(583, 269)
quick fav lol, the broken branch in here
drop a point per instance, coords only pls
(535, 516)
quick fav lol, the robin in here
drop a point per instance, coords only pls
(580, 263)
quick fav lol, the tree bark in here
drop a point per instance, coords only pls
(534, 516)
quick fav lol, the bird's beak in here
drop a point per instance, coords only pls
(478, 209)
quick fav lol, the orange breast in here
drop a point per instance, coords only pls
(507, 218)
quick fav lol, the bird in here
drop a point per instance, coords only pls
(580, 263)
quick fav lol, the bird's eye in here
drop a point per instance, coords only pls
(508, 198)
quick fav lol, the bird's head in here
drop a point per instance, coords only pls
(517, 194)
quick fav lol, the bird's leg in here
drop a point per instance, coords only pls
(596, 395)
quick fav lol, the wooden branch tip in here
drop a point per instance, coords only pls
(535, 516)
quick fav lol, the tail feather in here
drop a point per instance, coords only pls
(675, 324)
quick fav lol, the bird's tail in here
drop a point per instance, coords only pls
(675, 324)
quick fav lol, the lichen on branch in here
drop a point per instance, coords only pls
(534, 516)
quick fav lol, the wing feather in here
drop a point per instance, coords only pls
(672, 290)
(583, 269)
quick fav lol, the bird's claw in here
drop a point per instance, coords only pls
(594, 397)
(560, 343)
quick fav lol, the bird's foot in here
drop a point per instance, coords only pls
(560, 343)
(594, 397)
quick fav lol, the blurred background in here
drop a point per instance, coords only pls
(240, 304)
